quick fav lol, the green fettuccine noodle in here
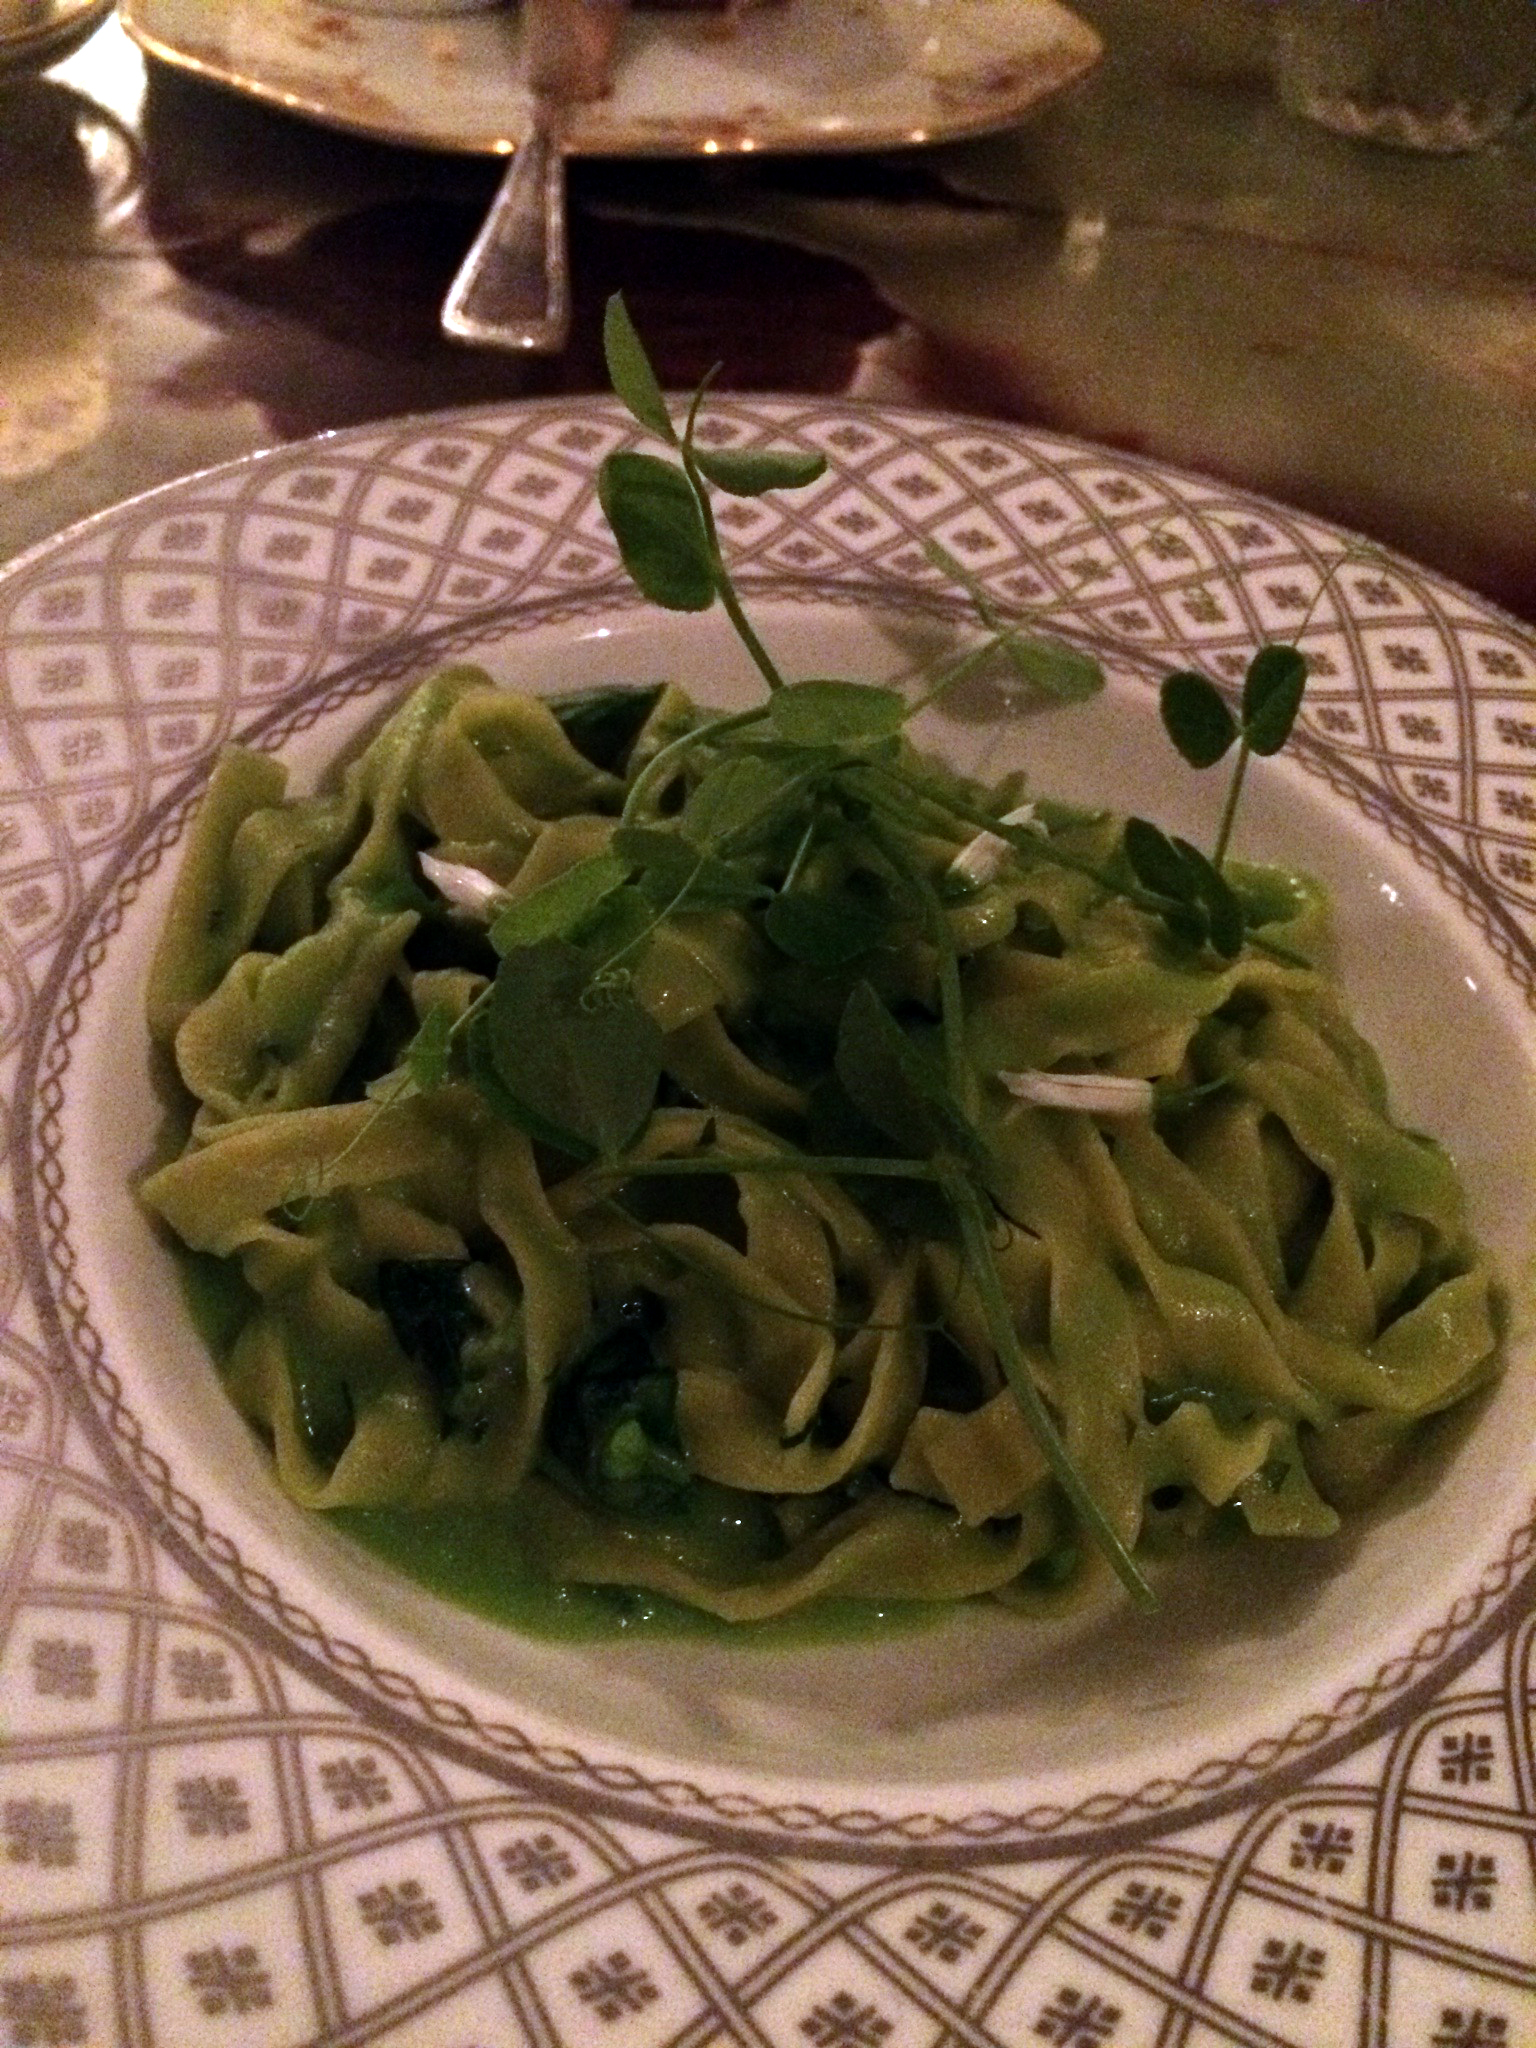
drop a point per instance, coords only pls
(752, 1384)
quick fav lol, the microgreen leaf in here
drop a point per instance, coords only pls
(587, 1060)
(630, 372)
(1044, 663)
(426, 1057)
(1272, 692)
(732, 795)
(748, 472)
(619, 925)
(1155, 860)
(823, 714)
(1201, 904)
(822, 931)
(668, 863)
(559, 908)
(1187, 922)
(1217, 898)
(1196, 718)
(676, 874)
(485, 1077)
(1052, 666)
(893, 1083)
(656, 521)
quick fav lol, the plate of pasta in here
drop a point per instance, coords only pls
(741, 1321)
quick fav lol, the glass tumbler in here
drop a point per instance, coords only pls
(1441, 75)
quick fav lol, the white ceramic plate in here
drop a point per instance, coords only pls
(796, 75)
(254, 1788)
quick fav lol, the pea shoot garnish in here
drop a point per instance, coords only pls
(1198, 903)
(811, 814)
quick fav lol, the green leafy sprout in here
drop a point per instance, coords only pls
(803, 808)
(1198, 902)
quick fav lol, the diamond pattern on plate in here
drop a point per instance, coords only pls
(72, 673)
(538, 1864)
(208, 1844)
(56, 1840)
(613, 1978)
(212, 1809)
(57, 1995)
(235, 1969)
(283, 545)
(168, 600)
(397, 1913)
(179, 538)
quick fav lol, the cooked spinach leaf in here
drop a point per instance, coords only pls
(603, 724)
(613, 1417)
(431, 1314)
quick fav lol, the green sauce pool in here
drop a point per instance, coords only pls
(477, 1557)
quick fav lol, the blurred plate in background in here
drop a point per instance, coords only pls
(801, 75)
(38, 32)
